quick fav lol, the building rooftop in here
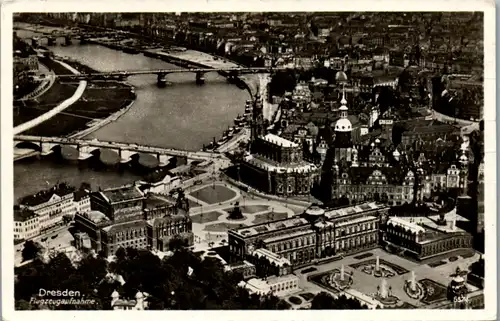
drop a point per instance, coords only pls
(121, 194)
(272, 257)
(273, 166)
(340, 212)
(271, 226)
(45, 196)
(409, 226)
(358, 220)
(23, 214)
(277, 140)
(152, 202)
(95, 216)
(287, 236)
(124, 225)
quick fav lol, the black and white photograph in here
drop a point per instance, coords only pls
(250, 160)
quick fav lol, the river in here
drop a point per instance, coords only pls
(182, 115)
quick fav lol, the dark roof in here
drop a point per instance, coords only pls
(120, 194)
(152, 202)
(81, 194)
(23, 214)
(44, 196)
(359, 175)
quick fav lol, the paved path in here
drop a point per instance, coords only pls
(65, 104)
(199, 229)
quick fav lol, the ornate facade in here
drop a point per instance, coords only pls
(276, 166)
(317, 234)
(124, 217)
(425, 239)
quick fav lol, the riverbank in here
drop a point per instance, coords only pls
(100, 103)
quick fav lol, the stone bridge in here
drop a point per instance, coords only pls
(86, 149)
(162, 73)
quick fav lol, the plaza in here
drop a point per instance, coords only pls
(367, 287)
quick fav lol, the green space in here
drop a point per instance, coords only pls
(213, 194)
(222, 227)
(307, 296)
(99, 100)
(433, 291)
(193, 203)
(206, 217)
(251, 209)
(398, 269)
(269, 217)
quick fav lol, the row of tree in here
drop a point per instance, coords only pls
(167, 282)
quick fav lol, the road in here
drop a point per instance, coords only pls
(65, 104)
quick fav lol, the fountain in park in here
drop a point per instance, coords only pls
(412, 288)
(413, 283)
(384, 294)
(383, 288)
(378, 270)
(338, 279)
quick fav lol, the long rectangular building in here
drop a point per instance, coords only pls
(316, 234)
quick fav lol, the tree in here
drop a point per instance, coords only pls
(30, 250)
(325, 301)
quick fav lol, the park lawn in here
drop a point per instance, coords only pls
(213, 194)
(206, 217)
(251, 209)
(269, 217)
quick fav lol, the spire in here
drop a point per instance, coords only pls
(343, 102)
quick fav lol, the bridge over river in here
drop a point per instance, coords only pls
(230, 72)
(85, 149)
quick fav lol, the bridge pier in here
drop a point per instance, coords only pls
(200, 78)
(67, 41)
(51, 41)
(34, 43)
(83, 40)
(162, 79)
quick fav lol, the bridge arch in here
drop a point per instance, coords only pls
(28, 145)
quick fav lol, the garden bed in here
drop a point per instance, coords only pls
(213, 194)
(206, 217)
(363, 256)
(436, 264)
(308, 270)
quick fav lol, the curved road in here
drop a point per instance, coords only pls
(65, 104)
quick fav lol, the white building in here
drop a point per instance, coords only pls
(26, 224)
(277, 285)
(51, 205)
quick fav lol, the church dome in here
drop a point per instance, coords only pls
(115, 294)
(340, 76)
(343, 125)
(343, 107)
(396, 153)
(139, 295)
(377, 141)
(463, 159)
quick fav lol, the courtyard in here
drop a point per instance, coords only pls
(212, 203)
(396, 273)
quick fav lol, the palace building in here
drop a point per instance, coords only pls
(316, 234)
(125, 217)
(425, 238)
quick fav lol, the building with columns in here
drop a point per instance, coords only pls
(316, 234)
(424, 238)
